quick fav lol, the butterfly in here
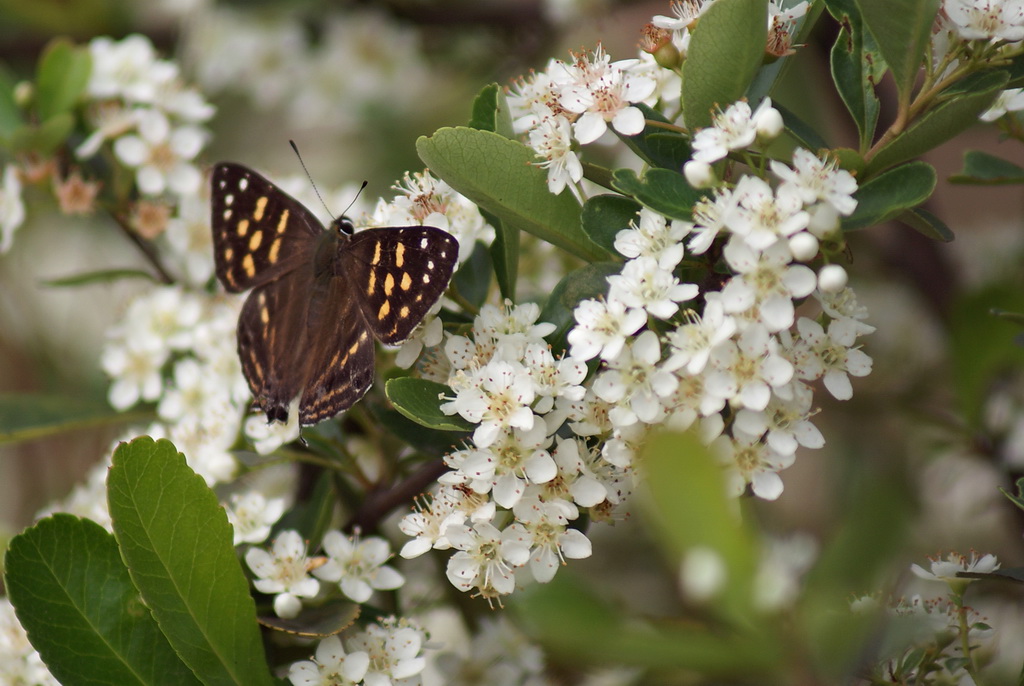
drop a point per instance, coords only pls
(319, 296)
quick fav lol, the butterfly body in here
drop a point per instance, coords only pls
(319, 296)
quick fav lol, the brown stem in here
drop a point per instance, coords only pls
(379, 503)
(145, 248)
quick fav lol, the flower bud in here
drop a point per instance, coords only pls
(699, 174)
(804, 246)
(769, 124)
(832, 278)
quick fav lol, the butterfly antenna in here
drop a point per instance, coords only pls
(310, 177)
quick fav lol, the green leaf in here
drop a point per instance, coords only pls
(799, 130)
(983, 347)
(572, 621)
(491, 112)
(1017, 499)
(101, 276)
(889, 194)
(312, 515)
(505, 256)
(10, 113)
(43, 138)
(902, 29)
(473, 279)
(424, 440)
(73, 595)
(984, 169)
(177, 543)
(61, 77)
(689, 509)
(590, 281)
(927, 224)
(661, 190)
(605, 215)
(1015, 317)
(500, 176)
(658, 146)
(856, 64)
(941, 124)
(26, 416)
(726, 50)
(420, 400)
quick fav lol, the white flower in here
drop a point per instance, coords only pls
(635, 384)
(109, 119)
(536, 96)
(284, 573)
(844, 305)
(127, 69)
(602, 327)
(499, 654)
(512, 327)
(831, 355)
(655, 236)
(358, 566)
(498, 399)
(428, 201)
(603, 93)
(429, 523)
(783, 563)
(986, 19)
(746, 371)
(765, 281)
(762, 216)
(786, 421)
(12, 209)
(553, 379)
(814, 180)
(749, 461)
(643, 284)
(685, 11)
(1010, 100)
(690, 344)
(267, 436)
(428, 334)
(394, 648)
(194, 393)
(485, 558)
(206, 442)
(711, 216)
(190, 239)
(136, 374)
(161, 155)
(543, 527)
(947, 569)
(734, 129)
(252, 515)
(517, 459)
(331, 666)
(551, 139)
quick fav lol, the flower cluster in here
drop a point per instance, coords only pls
(19, 662)
(386, 653)
(355, 565)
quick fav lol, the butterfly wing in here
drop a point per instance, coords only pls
(397, 274)
(339, 355)
(259, 231)
(272, 333)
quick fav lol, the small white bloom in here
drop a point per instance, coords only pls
(358, 565)
(644, 285)
(136, 374)
(655, 236)
(948, 568)
(635, 384)
(785, 421)
(831, 355)
(331, 666)
(429, 523)
(283, 572)
(252, 515)
(986, 19)
(783, 563)
(498, 399)
(394, 647)
(734, 129)
(710, 217)
(746, 371)
(1010, 100)
(603, 93)
(127, 69)
(602, 327)
(485, 559)
(267, 436)
(690, 344)
(816, 180)
(161, 155)
(551, 139)
(12, 209)
(763, 216)
(765, 283)
(803, 246)
(543, 527)
(749, 461)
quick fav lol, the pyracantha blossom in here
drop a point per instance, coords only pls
(785, 423)
(252, 514)
(554, 380)
(602, 93)
(543, 526)
(814, 180)
(331, 666)
(734, 129)
(686, 13)
(267, 435)
(765, 284)
(602, 327)
(635, 383)
(1010, 100)
(162, 155)
(283, 572)
(655, 236)
(691, 343)
(498, 655)
(644, 285)
(551, 139)
(497, 397)
(948, 568)
(127, 69)
(358, 565)
(748, 460)
(190, 240)
(12, 209)
(747, 370)
(831, 355)
(537, 96)
(428, 524)
(764, 216)
(986, 19)
(710, 217)
(394, 647)
(486, 558)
